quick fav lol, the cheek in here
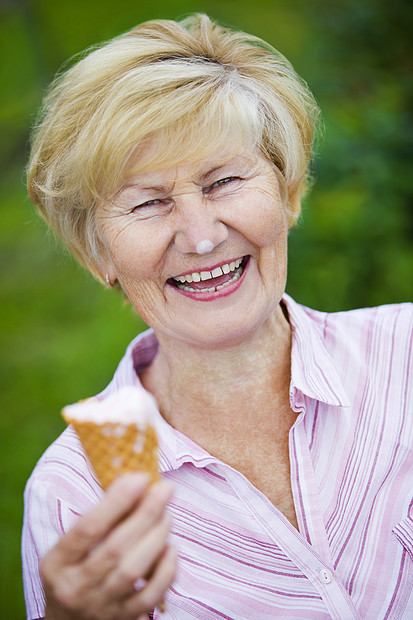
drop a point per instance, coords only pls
(137, 253)
(264, 223)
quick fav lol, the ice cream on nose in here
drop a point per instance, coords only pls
(204, 246)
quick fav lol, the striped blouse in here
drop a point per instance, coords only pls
(351, 453)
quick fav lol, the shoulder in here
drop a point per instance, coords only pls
(383, 328)
(382, 335)
(63, 477)
(61, 488)
(64, 471)
(372, 350)
(398, 315)
(369, 350)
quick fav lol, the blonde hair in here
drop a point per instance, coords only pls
(187, 86)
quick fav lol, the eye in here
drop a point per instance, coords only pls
(148, 203)
(225, 181)
(153, 206)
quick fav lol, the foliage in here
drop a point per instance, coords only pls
(358, 224)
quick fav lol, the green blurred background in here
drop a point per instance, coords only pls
(63, 334)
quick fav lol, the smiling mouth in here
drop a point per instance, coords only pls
(211, 281)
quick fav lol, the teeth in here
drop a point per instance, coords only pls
(216, 272)
(235, 276)
(207, 275)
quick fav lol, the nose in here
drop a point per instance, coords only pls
(199, 229)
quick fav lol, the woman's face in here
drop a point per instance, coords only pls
(200, 249)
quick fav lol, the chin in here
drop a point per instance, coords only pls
(219, 336)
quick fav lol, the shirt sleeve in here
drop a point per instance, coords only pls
(61, 488)
(40, 533)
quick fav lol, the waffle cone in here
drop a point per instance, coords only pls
(114, 449)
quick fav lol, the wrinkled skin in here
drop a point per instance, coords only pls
(91, 572)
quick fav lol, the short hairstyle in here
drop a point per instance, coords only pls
(184, 86)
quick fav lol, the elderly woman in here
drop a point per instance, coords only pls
(172, 162)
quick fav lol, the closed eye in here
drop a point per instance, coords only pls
(225, 181)
(156, 202)
(148, 203)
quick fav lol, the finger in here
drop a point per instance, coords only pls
(120, 499)
(149, 512)
(108, 555)
(140, 560)
(153, 592)
(146, 554)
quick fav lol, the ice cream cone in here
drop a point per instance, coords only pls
(117, 433)
(115, 449)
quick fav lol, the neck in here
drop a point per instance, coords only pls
(198, 388)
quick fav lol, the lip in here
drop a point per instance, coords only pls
(210, 268)
(224, 292)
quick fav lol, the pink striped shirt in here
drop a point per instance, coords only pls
(351, 452)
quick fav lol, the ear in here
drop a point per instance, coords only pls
(294, 207)
(106, 268)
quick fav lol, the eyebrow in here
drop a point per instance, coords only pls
(210, 171)
(155, 188)
(168, 187)
(237, 160)
(165, 188)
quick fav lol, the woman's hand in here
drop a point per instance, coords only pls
(92, 570)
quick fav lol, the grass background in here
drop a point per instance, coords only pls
(62, 334)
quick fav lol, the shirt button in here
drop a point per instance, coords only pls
(325, 575)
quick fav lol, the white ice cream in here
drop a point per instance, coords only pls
(204, 246)
(130, 404)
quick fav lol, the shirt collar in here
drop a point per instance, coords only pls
(175, 448)
(312, 374)
(312, 368)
